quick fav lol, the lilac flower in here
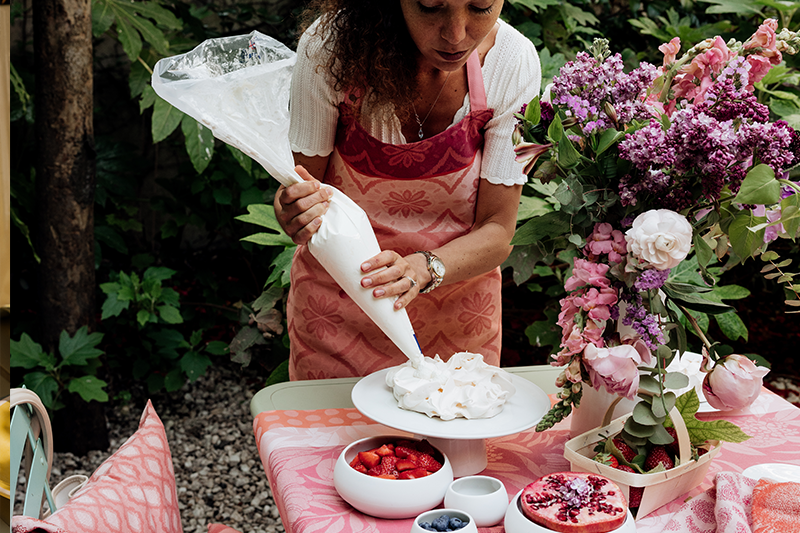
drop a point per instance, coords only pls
(584, 87)
(651, 279)
(642, 322)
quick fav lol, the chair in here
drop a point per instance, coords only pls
(335, 393)
(31, 439)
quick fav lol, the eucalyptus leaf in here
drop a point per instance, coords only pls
(638, 430)
(660, 436)
(644, 416)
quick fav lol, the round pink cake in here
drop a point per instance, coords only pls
(574, 502)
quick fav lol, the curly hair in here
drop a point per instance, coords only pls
(370, 48)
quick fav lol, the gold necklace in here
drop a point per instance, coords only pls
(421, 122)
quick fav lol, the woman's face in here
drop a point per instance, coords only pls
(447, 31)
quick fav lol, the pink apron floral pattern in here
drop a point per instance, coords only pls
(418, 196)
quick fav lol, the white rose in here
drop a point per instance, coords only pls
(660, 237)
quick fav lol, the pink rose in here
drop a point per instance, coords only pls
(733, 383)
(615, 368)
(670, 50)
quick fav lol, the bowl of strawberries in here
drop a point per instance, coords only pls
(392, 476)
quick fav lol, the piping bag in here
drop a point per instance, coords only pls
(238, 87)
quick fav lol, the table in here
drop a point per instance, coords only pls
(299, 449)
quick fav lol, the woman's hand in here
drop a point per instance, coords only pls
(299, 207)
(390, 274)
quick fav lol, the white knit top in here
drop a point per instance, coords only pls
(511, 75)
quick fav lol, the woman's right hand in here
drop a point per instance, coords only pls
(299, 207)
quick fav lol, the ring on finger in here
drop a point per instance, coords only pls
(413, 282)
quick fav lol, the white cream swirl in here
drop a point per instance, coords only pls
(464, 386)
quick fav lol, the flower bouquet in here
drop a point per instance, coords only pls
(648, 178)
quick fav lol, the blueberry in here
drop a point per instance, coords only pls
(426, 526)
(455, 523)
(440, 524)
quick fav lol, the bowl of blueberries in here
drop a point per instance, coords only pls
(444, 520)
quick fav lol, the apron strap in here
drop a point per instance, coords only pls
(477, 91)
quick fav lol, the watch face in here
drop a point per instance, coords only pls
(438, 267)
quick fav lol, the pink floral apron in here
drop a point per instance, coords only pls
(418, 196)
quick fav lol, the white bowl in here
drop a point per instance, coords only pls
(516, 522)
(484, 497)
(388, 498)
(430, 516)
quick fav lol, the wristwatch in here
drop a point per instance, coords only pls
(436, 269)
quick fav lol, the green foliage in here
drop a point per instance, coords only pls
(74, 369)
(134, 22)
(151, 302)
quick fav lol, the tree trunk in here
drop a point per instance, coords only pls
(65, 172)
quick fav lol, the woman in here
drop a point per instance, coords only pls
(406, 106)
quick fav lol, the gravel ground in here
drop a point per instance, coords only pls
(210, 432)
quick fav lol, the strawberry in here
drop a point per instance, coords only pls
(672, 447)
(369, 459)
(634, 493)
(405, 464)
(627, 452)
(658, 456)
(386, 449)
(425, 447)
(428, 463)
(607, 459)
(386, 468)
(413, 474)
(403, 451)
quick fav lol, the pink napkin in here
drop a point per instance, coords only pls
(776, 507)
(724, 508)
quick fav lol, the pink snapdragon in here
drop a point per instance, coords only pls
(733, 383)
(587, 273)
(764, 42)
(605, 240)
(697, 77)
(597, 304)
(616, 368)
(670, 50)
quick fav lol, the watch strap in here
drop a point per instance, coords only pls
(436, 279)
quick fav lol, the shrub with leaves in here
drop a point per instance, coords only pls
(74, 369)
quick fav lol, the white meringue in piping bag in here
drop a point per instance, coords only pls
(464, 386)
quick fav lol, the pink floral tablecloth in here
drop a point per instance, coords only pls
(299, 448)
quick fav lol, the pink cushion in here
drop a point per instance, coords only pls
(133, 491)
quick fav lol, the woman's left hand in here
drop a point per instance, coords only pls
(399, 277)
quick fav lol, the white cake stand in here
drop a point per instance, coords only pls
(464, 441)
